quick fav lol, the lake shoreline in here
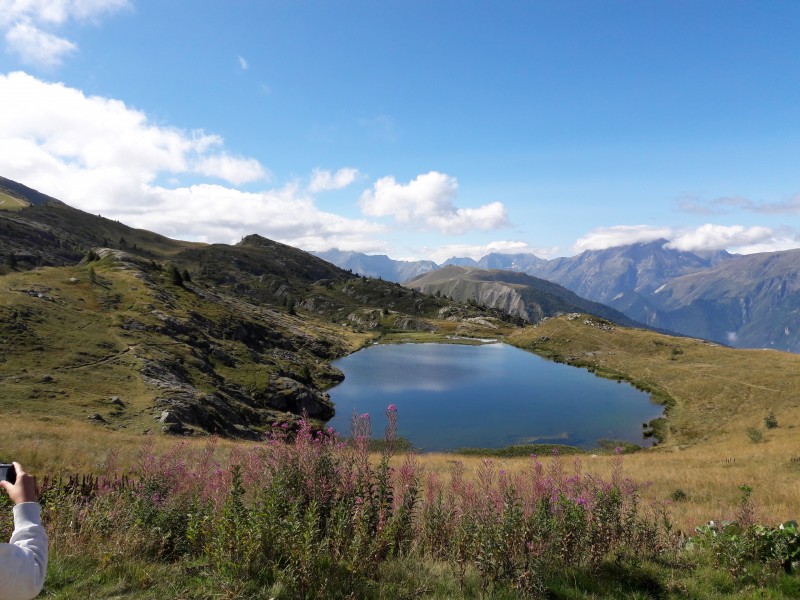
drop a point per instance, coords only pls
(529, 402)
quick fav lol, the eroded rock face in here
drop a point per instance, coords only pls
(229, 411)
(413, 324)
(292, 396)
(211, 413)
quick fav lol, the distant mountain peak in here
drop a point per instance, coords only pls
(255, 240)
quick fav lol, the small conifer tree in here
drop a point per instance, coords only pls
(175, 275)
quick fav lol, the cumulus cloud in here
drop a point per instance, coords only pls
(102, 156)
(57, 12)
(427, 201)
(37, 47)
(26, 23)
(708, 237)
(621, 235)
(236, 170)
(721, 237)
(213, 213)
(323, 181)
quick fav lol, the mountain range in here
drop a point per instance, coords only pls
(748, 301)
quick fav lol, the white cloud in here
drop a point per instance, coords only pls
(25, 22)
(621, 235)
(213, 213)
(774, 244)
(57, 12)
(236, 170)
(427, 201)
(102, 156)
(722, 237)
(37, 47)
(243, 64)
(708, 237)
(478, 251)
(322, 180)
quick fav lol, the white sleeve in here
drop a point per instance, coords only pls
(23, 562)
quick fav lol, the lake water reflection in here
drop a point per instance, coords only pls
(452, 396)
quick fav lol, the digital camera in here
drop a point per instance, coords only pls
(8, 473)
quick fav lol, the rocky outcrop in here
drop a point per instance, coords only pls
(516, 294)
(295, 397)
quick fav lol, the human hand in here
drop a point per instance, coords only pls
(24, 489)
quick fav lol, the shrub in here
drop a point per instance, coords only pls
(755, 434)
(771, 421)
(678, 495)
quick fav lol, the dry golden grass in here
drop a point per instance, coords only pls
(718, 392)
(709, 475)
(8, 202)
(59, 445)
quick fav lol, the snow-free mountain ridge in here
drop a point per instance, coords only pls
(750, 301)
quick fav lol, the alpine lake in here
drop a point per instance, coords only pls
(451, 396)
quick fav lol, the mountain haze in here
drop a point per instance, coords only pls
(602, 275)
(747, 301)
(380, 266)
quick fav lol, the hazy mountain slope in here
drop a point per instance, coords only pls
(522, 295)
(377, 265)
(401, 270)
(602, 275)
(460, 261)
(752, 301)
(525, 262)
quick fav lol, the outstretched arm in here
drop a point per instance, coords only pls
(23, 562)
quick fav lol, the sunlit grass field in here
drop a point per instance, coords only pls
(8, 202)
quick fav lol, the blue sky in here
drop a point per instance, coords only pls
(415, 129)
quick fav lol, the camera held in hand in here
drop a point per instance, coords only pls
(8, 473)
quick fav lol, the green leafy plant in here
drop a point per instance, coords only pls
(678, 495)
(755, 434)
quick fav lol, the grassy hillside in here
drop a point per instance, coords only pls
(712, 390)
(9, 202)
(222, 339)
